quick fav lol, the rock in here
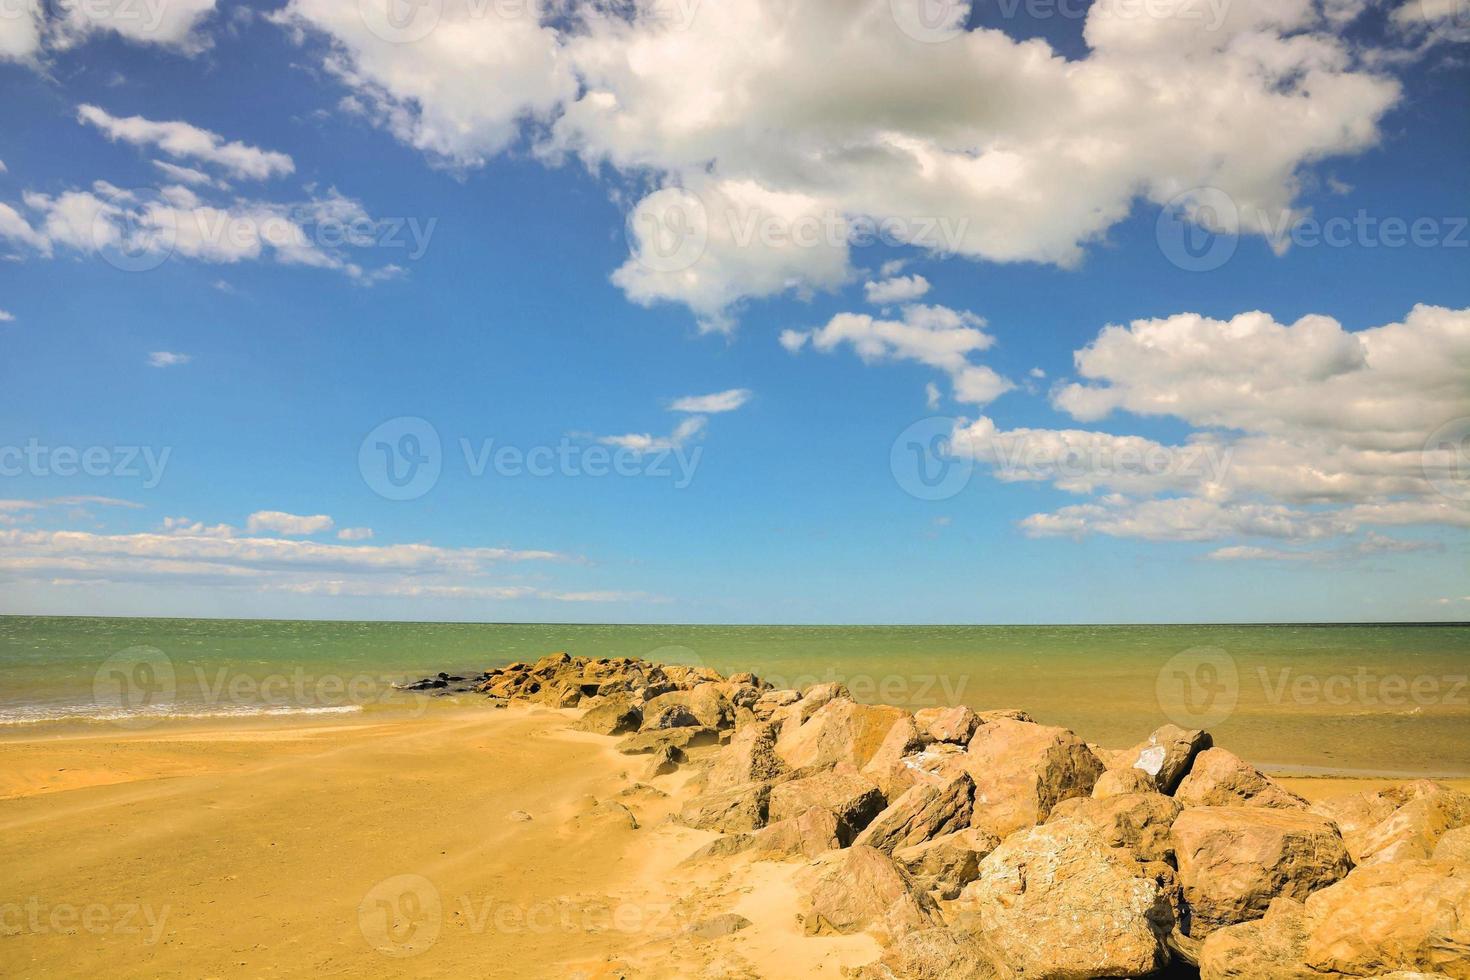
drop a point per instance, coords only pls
(946, 864)
(704, 705)
(937, 953)
(1234, 860)
(885, 767)
(955, 725)
(667, 716)
(922, 812)
(1273, 946)
(1138, 822)
(1167, 755)
(1454, 847)
(719, 926)
(750, 757)
(1004, 714)
(851, 797)
(741, 808)
(1413, 830)
(839, 731)
(858, 889)
(518, 816)
(1220, 778)
(1021, 770)
(616, 716)
(768, 703)
(1358, 813)
(814, 832)
(594, 813)
(665, 761)
(645, 743)
(1116, 782)
(1403, 915)
(1054, 901)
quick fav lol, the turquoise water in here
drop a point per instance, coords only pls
(1372, 699)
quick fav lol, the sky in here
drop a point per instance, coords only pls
(736, 311)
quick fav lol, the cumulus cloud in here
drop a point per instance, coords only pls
(721, 401)
(184, 141)
(934, 335)
(293, 525)
(1301, 431)
(805, 131)
(901, 289)
(29, 28)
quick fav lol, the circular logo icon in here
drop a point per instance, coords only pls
(1450, 19)
(401, 459)
(930, 21)
(1198, 230)
(1446, 459)
(137, 232)
(135, 687)
(668, 230)
(401, 916)
(924, 463)
(401, 21)
(1198, 687)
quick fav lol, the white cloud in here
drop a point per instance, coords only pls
(184, 175)
(184, 141)
(934, 335)
(1301, 432)
(644, 442)
(167, 358)
(902, 289)
(171, 24)
(20, 30)
(931, 395)
(293, 525)
(355, 534)
(6, 316)
(722, 401)
(825, 116)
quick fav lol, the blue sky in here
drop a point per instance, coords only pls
(501, 193)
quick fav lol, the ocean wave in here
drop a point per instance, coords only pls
(39, 715)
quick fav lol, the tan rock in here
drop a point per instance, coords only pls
(839, 731)
(1003, 714)
(1116, 782)
(1358, 813)
(1234, 860)
(955, 724)
(1021, 770)
(741, 808)
(1138, 822)
(703, 706)
(1402, 915)
(1220, 778)
(767, 704)
(1054, 901)
(1454, 846)
(1413, 830)
(852, 798)
(1273, 946)
(616, 716)
(812, 833)
(750, 757)
(645, 743)
(1167, 754)
(922, 812)
(946, 864)
(886, 767)
(859, 889)
(936, 953)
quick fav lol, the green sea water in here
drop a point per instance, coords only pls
(1390, 699)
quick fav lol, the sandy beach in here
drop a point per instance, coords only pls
(463, 841)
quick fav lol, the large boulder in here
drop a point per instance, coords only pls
(1358, 813)
(701, 706)
(648, 743)
(1454, 847)
(922, 812)
(905, 757)
(616, 716)
(1165, 757)
(852, 798)
(812, 833)
(731, 810)
(1117, 782)
(1022, 770)
(1234, 860)
(1413, 830)
(1054, 901)
(1138, 822)
(1273, 946)
(860, 889)
(1403, 915)
(936, 953)
(956, 725)
(1220, 778)
(750, 757)
(946, 864)
(839, 731)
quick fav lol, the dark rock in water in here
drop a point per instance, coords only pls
(427, 684)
